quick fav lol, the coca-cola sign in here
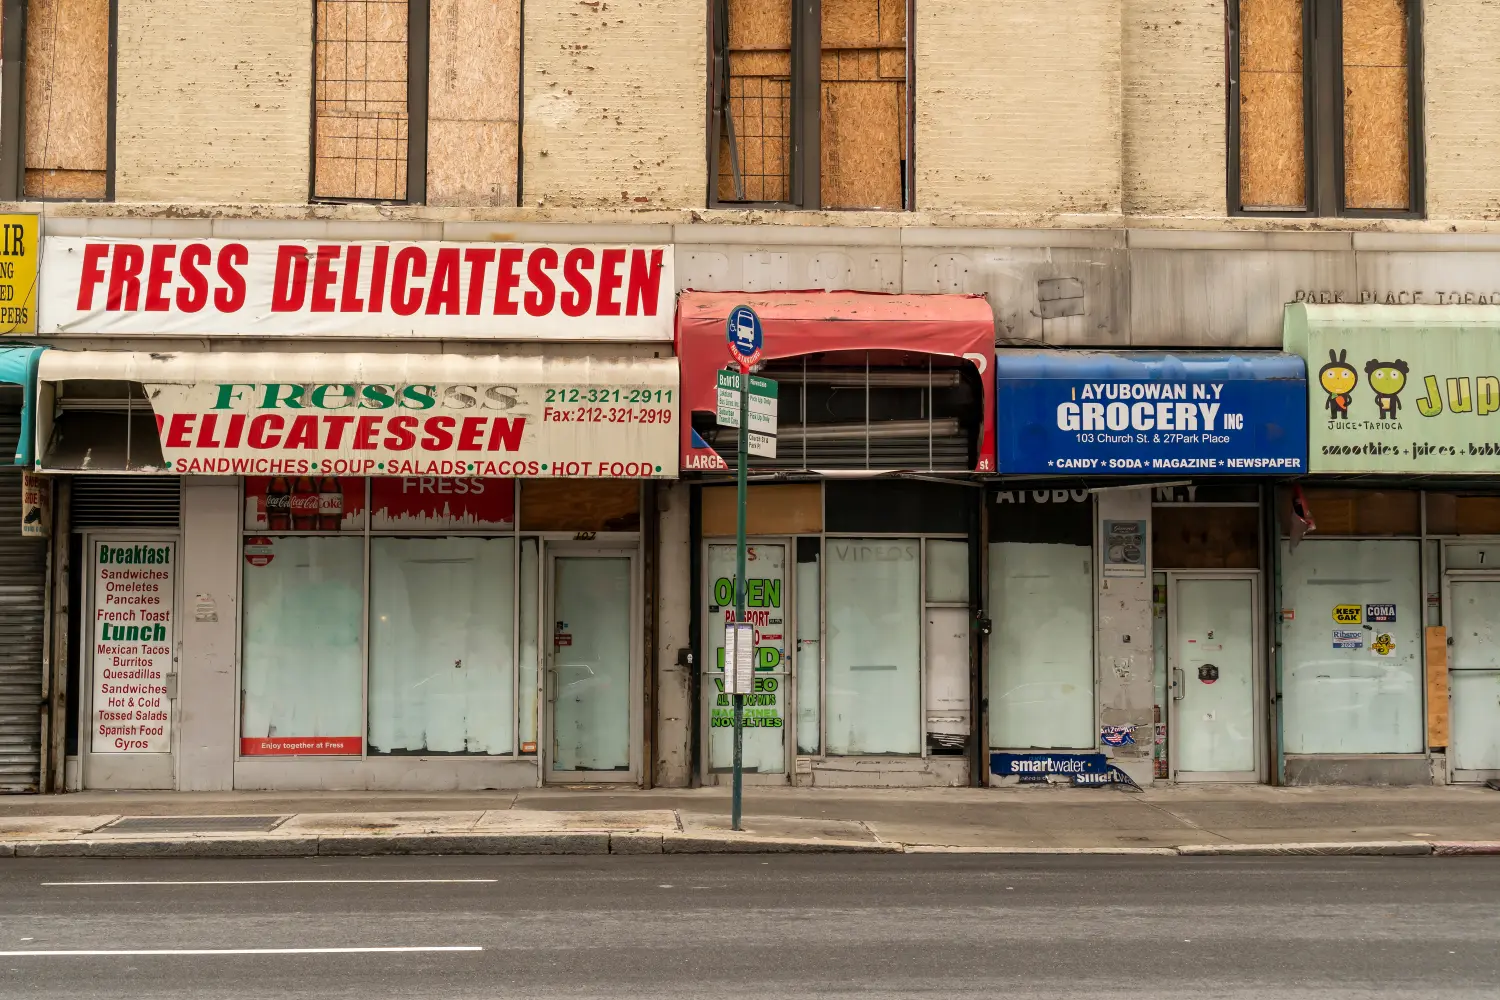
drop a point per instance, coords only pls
(304, 503)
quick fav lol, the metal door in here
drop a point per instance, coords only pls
(1214, 656)
(768, 710)
(23, 601)
(593, 675)
(1474, 676)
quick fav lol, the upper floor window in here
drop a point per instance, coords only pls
(1325, 107)
(810, 104)
(67, 108)
(369, 100)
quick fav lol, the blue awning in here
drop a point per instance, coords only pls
(1150, 413)
(18, 367)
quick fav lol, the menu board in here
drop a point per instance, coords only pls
(133, 631)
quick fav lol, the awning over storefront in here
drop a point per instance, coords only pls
(18, 367)
(1404, 390)
(1148, 413)
(867, 381)
(227, 413)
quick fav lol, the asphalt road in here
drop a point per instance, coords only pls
(785, 927)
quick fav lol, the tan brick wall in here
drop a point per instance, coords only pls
(614, 103)
(1018, 105)
(1174, 149)
(1463, 113)
(213, 100)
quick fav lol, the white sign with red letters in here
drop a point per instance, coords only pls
(501, 291)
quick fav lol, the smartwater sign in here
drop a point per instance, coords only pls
(1084, 412)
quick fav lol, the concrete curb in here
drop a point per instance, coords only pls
(940, 849)
(1463, 848)
(1392, 848)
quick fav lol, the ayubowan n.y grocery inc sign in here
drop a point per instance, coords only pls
(270, 288)
(1405, 390)
(259, 414)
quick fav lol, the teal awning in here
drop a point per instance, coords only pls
(18, 367)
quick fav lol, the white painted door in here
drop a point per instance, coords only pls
(1474, 665)
(1213, 732)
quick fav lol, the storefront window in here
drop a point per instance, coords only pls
(1041, 596)
(947, 572)
(302, 667)
(442, 645)
(1352, 646)
(529, 650)
(809, 664)
(874, 609)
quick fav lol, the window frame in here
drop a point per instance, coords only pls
(418, 32)
(806, 118)
(1323, 117)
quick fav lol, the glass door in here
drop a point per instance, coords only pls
(591, 677)
(1213, 651)
(1474, 676)
(767, 602)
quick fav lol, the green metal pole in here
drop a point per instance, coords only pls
(739, 598)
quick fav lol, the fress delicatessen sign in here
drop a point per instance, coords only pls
(421, 428)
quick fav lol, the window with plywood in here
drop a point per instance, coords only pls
(66, 103)
(810, 106)
(1325, 107)
(364, 53)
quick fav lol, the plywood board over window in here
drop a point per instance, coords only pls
(360, 98)
(760, 102)
(1377, 163)
(863, 104)
(67, 98)
(474, 60)
(1273, 165)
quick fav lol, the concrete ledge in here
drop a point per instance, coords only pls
(635, 843)
(537, 843)
(942, 849)
(1465, 848)
(686, 843)
(53, 849)
(205, 847)
(1403, 848)
(7, 850)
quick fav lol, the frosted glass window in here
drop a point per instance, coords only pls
(947, 572)
(530, 623)
(441, 645)
(809, 663)
(1041, 649)
(1344, 691)
(591, 656)
(302, 670)
(874, 609)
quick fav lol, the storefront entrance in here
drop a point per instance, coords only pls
(592, 665)
(1474, 663)
(1213, 650)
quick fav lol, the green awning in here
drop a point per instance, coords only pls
(18, 367)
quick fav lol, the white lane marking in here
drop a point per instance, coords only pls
(298, 881)
(233, 951)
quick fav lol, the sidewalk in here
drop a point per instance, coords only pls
(1180, 820)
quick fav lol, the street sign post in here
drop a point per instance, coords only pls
(746, 338)
(763, 403)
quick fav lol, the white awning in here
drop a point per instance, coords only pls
(326, 367)
(233, 413)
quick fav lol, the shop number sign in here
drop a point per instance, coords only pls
(133, 632)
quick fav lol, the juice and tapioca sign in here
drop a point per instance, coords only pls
(1407, 390)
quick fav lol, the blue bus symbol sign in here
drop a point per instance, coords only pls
(745, 335)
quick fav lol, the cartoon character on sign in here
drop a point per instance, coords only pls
(1387, 379)
(1338, 380)
(1383, 644)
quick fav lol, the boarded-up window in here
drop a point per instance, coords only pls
(766, 63)
(67, 98)
(760, 102)
(361, 99)
(1273, 166)
(1377, 167)
(864, 103)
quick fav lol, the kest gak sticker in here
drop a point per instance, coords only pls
(1348, 614)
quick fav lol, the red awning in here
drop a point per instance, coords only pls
(809, 322)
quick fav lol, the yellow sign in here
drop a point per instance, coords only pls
(1348, 614)
(20, 252)
(1383, 644)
